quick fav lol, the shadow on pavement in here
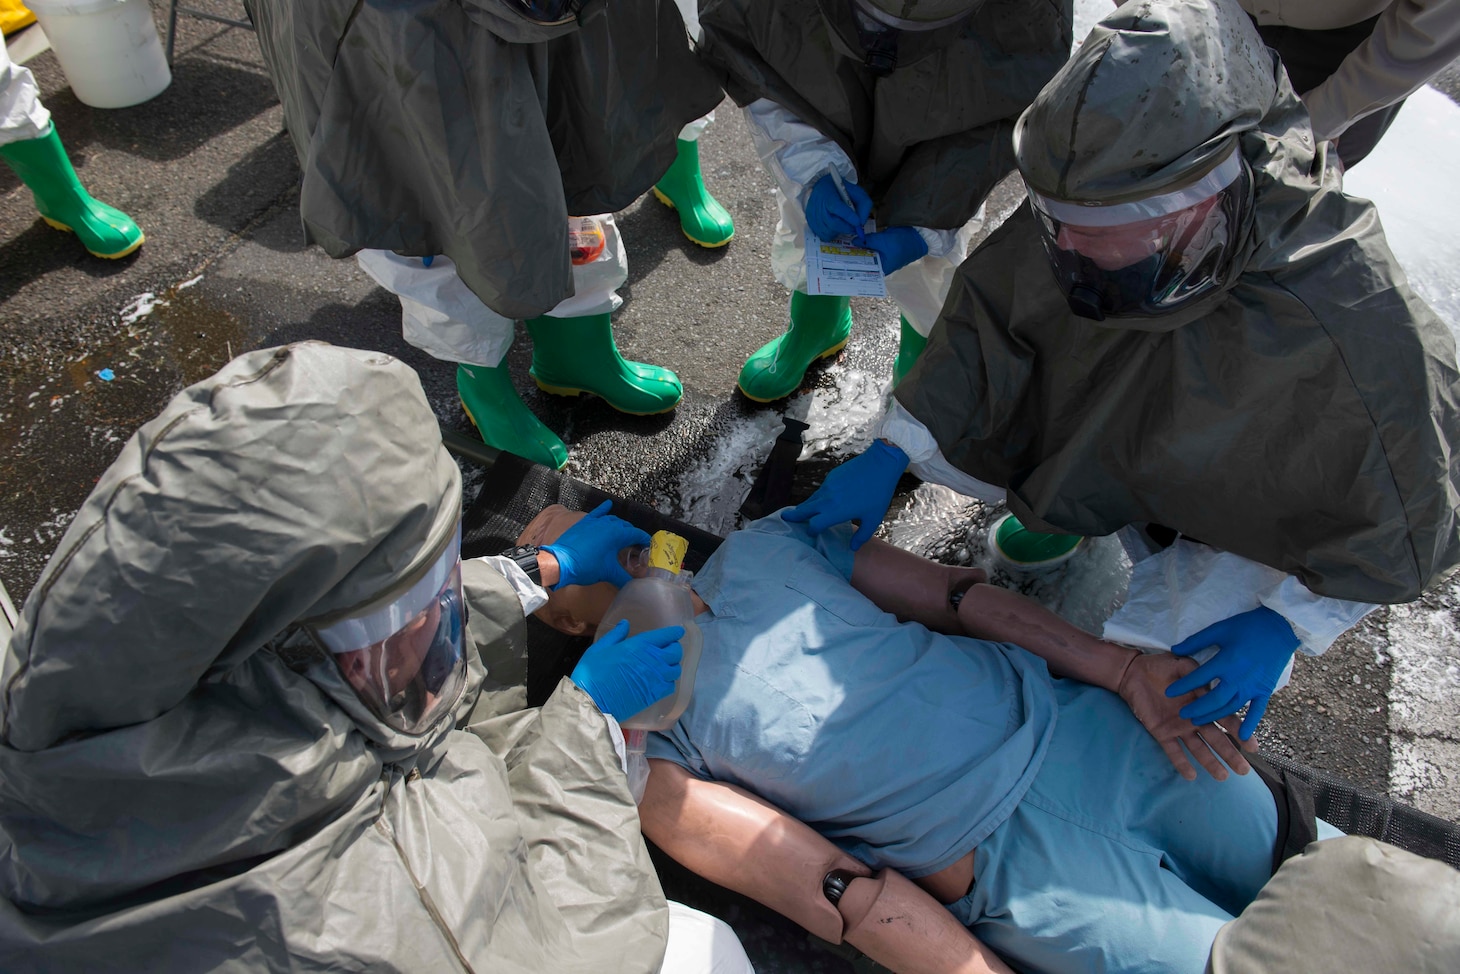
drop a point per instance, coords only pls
(205, 100)
(253, 184)
(42, 249)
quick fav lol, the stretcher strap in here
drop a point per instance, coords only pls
(1297, 821)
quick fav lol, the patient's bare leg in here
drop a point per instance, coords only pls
(744, 843)
(912, 587)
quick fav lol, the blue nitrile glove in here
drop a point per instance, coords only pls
(897, 246)
(858, 490)
(1253, 650)
(828, 215)
(624, 674)
(588, 551)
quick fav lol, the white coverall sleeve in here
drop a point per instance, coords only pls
(901, 428)
(1412, 42)
(532, 595)
(797, 154)
(1317, 619)
(1181, 589)
(22, 116)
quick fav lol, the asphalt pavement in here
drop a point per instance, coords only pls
(208, 172)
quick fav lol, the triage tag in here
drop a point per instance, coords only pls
(840, 267)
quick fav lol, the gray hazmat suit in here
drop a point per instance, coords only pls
(456, 127)
(930, 139)
(1303, 416)
(184, 786)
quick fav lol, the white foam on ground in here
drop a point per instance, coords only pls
(946, 526)
(709, 493)
(140, 307)
(1424, 671)
(844, 417)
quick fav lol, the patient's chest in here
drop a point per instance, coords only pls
(881, 735)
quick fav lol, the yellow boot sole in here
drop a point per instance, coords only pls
(708, 246)
(568, 391)
(826, 354)
(478, 427)
(141, 238)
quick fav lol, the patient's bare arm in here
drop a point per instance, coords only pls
(911, 587)
(915, 588)
(743, 843)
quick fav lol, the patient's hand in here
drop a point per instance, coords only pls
(1143, 688)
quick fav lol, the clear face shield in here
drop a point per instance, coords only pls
(1148, 257)
(404, 655)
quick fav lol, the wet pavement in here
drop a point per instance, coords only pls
(91, 349)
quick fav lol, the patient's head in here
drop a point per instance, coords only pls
(573, 609)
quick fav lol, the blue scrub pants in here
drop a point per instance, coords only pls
(1112, 862)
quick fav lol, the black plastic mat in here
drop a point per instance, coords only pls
(514, 490)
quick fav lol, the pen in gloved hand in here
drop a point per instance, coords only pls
(841, 190)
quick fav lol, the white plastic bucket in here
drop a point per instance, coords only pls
(108, 49)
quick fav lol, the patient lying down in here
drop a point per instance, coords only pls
(879, 715)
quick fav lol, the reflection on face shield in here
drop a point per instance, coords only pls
(1149, 257)
(404, 658)
(548, 13)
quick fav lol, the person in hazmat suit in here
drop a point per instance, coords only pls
(258, 714)
(31, 147)
(898, 110)
(1191, 336)
(447, 143)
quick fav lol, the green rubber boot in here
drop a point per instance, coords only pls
(503, 419)
(819, 328)
(909, 347)
(1023, 548)
(571, 356)
(63, 202)
(701, 217)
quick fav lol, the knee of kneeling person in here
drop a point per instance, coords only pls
(1351, 903)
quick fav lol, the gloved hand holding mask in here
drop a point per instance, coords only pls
(897, 246)
(858, 490)
(624, 674)
(1254, 649)
(829, 216)
(588, 551)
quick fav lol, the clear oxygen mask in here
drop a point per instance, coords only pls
(658, 595)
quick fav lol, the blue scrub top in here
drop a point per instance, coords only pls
(904, 747)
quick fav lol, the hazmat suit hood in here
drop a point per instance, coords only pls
(1157, 96)
(1152, 99)
(294, 482)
